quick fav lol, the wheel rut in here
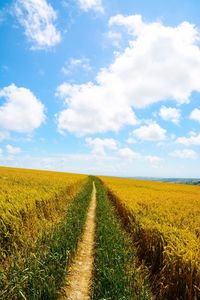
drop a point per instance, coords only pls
(79, 277)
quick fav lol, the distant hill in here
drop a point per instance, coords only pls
(194, 181)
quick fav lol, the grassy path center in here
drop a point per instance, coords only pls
(79, 278)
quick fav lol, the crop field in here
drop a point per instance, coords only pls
(165, 222)
(30, 200)
(144, 244)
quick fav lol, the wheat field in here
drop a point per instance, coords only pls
(165, 220)
(30, 201)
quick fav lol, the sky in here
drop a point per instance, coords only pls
(101, 87)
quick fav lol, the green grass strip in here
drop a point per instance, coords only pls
(115, 275)
(45, 269)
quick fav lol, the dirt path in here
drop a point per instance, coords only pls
(80, 272)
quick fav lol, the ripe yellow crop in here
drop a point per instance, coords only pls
(30, 201)
(166, 221)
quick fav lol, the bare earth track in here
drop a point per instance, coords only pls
(80, 273)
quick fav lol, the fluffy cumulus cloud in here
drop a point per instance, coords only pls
(99, 146)
(195, 115)
(185, 153)
(92, 108)
(37, 18)
(151, 132)
(21, 111)
(170, 114)
(128, 154)
(192, 139)
(12, 149)
(159, 63)
(158, 59)
(95, 5)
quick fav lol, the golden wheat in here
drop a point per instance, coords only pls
(167, 220)
(30, 201)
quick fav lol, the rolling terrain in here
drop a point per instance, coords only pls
(71, 236)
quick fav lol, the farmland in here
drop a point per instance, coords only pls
(31, 203)
(145, 241)
(165, 222)
(26, 202)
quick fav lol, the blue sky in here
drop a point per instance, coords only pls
(101, 87)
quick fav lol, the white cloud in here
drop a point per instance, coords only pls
(115, 37)
(195, 115)
(76, 63)
(100, 145)
(193, 139)
(92, 108)
(151, 132)
(160, 63)
(37, 18)
(12, 149)
(129, 154)
(164, 61)
(155, 161)
(185, 153)
(95, 5)
(170, 114)
(133, 23)
(22, 111)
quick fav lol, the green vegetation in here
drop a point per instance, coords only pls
(31, 201)
(163, 219)
(44, 269)
(116, 275)
(40, 234)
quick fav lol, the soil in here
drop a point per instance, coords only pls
(79, 278)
